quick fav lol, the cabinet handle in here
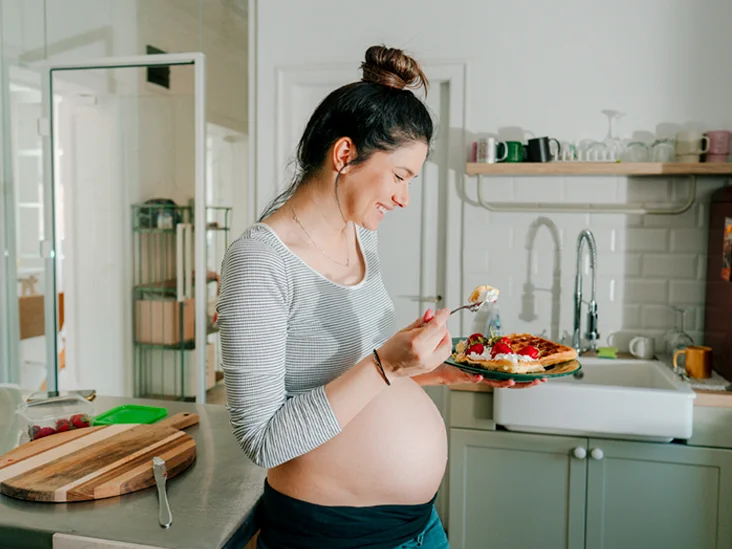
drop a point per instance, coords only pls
(579, 452)
(597, 454)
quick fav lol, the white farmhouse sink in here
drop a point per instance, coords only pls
(634, 399)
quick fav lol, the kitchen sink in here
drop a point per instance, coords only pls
(633, 399)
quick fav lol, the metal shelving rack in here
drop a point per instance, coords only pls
(163, 295)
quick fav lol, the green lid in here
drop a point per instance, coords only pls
(130, 413)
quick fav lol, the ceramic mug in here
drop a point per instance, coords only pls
(687, 158)
(539, 150)
(515, 151)
(488, 150)
(688, 143)
(698, 361)
(719, 142)
(716, 158)
(642, 347)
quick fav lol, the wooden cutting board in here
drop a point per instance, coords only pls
(96, 462)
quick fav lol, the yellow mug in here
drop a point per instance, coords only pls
(698, 361)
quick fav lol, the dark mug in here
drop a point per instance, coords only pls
(515, 151)
(538, 150)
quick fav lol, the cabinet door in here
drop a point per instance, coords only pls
(516, 490)
(642, 495)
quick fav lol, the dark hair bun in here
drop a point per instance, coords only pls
(392, 67)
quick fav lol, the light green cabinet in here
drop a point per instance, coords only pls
(642, 495)
(515, 491)
(525, 491)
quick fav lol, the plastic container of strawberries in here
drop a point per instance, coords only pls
(54, 415)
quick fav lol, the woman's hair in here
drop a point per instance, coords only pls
(379, 113)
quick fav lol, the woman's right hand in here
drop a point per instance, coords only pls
(419, 348)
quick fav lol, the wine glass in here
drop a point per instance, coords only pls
(677, 338)
(614, 143)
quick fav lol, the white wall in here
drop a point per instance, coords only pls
(549, 68)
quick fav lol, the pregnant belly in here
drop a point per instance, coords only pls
(393, 451)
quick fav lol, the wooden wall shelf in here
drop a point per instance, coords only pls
(596, 168)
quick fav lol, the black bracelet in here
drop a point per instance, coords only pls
(381, 368)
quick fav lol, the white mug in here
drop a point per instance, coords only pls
(642, 347)
(492, 156)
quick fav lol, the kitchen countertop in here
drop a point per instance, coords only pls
(212, 502)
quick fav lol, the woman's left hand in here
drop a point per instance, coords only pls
(450, 375)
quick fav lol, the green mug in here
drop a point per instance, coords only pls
(515, 151)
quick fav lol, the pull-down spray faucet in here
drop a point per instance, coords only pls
(592, 335)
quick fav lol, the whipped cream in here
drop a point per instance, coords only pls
(486, 294)
(489, 296)
(513, 357)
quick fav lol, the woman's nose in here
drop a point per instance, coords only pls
(401, 199)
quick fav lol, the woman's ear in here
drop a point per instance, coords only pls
(343, 153)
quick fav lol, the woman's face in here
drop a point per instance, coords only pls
(380, 184)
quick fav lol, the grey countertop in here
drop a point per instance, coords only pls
(212, 502)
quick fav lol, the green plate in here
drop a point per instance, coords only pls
(557, 370)
(130, 413)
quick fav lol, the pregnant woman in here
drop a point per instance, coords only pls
(322, 389)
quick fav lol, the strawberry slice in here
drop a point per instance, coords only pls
(501, 349)
(529, 351)
(505, 341)
(476, 348)
(476, 338)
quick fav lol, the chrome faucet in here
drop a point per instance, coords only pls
(592, 334)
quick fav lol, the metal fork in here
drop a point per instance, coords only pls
(472, 307)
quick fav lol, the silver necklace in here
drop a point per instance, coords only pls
(348, 252)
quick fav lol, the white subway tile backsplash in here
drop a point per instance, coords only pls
(490, 238)
(657, 316)
(538, 189)
(611, 289)
(688, 219)
(590, 190)
(644, 190)
(646, 240)
(684, 292)
(646, 291)
(702, 267)
(618, 265)
(645, 262)
(702, 219)
(614, 220)
(700, 319)
(631, 317)
(670, 265)
(688, 240)
(497, 189)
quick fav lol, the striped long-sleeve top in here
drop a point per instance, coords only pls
(285, 332)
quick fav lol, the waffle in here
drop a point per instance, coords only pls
(550, 353)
